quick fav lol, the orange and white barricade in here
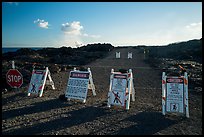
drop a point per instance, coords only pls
(175, 94)
(121, 87)
(38, 81)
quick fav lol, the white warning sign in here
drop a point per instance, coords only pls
(36, 81)
(175, 95)
(119, 85)
(77, 86)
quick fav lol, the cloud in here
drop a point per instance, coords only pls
(42, 23)
(193, 25)
(194, 29)
(92, 36)
(73, 28)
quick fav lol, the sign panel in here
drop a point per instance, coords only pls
(36, 81)
(77, 86)
(175, 95)
(118, 90)
(117, 54)
(14, 78)
(129, 55)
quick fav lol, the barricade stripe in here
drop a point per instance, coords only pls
(185, 81)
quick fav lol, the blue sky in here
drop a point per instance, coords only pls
(56, 24)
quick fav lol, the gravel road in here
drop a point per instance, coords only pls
(48, 115)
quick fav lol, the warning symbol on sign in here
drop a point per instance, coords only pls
(117, 98)
(121, 87)
(174, 107)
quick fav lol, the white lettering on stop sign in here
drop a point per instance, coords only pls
(14, 78)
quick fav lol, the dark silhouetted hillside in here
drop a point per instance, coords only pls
(189, 50)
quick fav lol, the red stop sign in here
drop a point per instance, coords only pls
(14, 78)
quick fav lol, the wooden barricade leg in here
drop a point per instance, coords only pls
(163, 93)
(128, 95)
(44, 80)
(31, 80)
(132, 87)
(50, 79)
(91, 82)
(186, 94)
(109, 92)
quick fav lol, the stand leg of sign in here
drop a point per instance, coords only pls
(133, 93)
(186, 94)
(44, 80)
(132, 88)
(128, 100)
(93, 87)
(163, 93)
(31, 79)
(91, 82)
(108, 104)
(50, 79)
(109, 93)
(128, 95)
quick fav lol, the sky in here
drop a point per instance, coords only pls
(74, 24)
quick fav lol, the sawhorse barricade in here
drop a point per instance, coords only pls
(38, 81)
(121, 87)
(78, 84)
(175, 94)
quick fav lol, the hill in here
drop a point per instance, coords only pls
(189, 50)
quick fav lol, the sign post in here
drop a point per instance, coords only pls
(175, 94)
(14, 78)
(78, 84)
(121, 87)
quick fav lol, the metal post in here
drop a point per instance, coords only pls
(13, 67)
(13, 64)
